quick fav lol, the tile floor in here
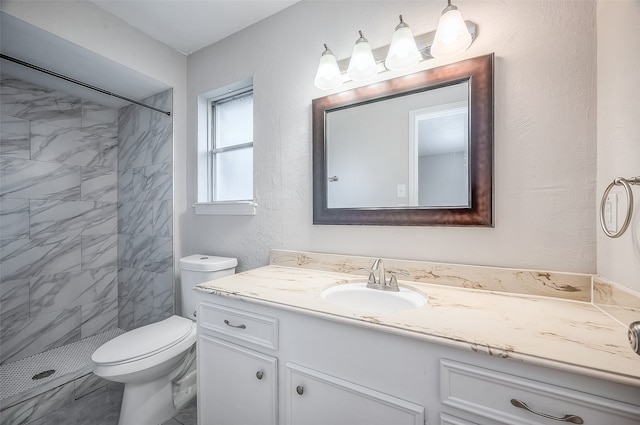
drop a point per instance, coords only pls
(102, 407)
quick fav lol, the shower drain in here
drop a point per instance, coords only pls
(44, 374)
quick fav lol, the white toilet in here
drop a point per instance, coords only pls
(157, 362)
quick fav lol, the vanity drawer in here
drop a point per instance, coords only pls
(492, 395)
(238, 325)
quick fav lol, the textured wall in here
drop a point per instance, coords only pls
(58, 274)
(619, 131)
(545, 148)
(145, 213)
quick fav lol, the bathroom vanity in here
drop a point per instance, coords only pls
(272, 350)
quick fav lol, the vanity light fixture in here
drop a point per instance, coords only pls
(403, 52)
(453, 36)
(328, 75)
(362, 65)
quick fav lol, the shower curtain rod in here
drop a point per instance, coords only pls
(80, 83)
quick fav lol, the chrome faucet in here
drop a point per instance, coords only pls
(381, 283)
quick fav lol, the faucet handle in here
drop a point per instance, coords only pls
(372, 276)
(393, 281)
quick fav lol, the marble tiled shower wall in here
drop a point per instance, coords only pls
(145, 213)
(58, 219)
(85, 217)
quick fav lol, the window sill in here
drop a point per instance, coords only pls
(225, 208)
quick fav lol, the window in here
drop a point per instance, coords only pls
(231, 147)
(225, 150)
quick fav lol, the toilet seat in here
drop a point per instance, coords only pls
(144, 342)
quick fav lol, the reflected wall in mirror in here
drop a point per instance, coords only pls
(414, 150)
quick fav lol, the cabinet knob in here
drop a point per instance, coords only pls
(259, 374)
(300, 389)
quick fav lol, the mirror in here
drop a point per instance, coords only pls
(414, 150)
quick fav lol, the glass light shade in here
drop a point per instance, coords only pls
(362, 65)
(328, 75)
(403, 52)
(452, 35)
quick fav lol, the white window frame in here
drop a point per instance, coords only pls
(206, 151)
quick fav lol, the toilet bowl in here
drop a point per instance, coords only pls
(156, 362)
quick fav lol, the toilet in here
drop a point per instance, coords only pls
(156, 362)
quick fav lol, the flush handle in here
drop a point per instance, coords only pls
(566, 418)
(226, 322)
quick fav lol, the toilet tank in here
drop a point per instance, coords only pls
(196, 269)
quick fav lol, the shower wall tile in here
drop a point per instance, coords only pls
(134, 251)
(23, 258)
(99, 251)
(33, 335)
(125, 186)
(58, 219)
(134, 119)
(161, 258)
(99, 184)
(163, 146)
(134, 284)
(136, 150)
(65, 290)
(149, 253)
(125, 314)
(153, 183)
(164, 101)
(145, 213)
(14, 137)
(163, 292)
(99, 317)
(72, 146)
(162, 218)
(30, 102)
(14, 218)
(135, 218)
(100, 120)
(71, 218)
(24, 179)
(14, 300)
(154, 146)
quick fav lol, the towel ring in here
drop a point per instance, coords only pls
(626, 183)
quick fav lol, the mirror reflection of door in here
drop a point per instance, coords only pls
(438, 156)
(408, 150)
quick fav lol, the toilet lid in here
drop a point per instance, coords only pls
(144, 341)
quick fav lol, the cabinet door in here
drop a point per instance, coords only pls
(236, 386)
(314, 398)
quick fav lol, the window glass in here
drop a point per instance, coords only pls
(234, 175)
(232, 147)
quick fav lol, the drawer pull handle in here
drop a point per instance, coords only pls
(300, 389)
(226, 322)
(259, 374)
(567, 418)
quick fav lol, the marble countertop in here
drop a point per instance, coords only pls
(570, 335)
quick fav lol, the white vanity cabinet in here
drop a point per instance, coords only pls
(320, 369)
(236, 385)
(314, 398)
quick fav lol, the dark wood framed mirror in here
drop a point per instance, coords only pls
(415, 150)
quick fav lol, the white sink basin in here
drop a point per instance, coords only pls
(356, 296)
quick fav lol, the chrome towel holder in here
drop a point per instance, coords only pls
(626, 183)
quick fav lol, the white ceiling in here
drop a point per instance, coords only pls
(185, 25)
(189, 25)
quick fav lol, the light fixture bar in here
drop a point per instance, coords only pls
(423, 41)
